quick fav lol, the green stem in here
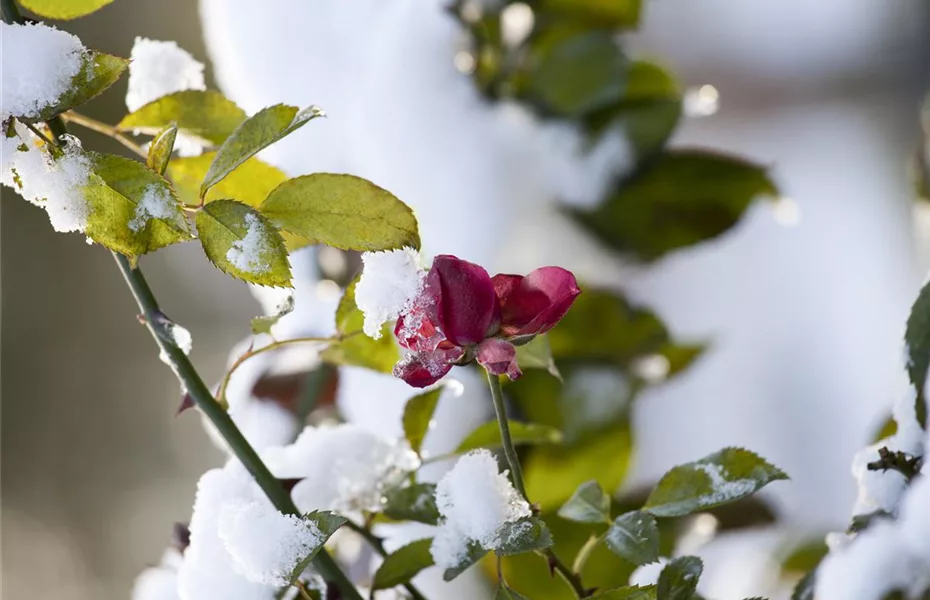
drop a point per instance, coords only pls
(513, 461)
(155, 321)
(516, 473)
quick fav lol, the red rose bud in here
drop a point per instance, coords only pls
(463, 314)
(534, 304)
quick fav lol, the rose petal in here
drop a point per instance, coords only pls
(534, 304)
(499, 358)
(418, 372)
(414, 331)
(466, 305)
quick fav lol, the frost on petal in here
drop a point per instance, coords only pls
(250, 253)
(422, 369)
(160, 68)
(266, 545)
(341, 468)
(475, 500)
(36, 67)
(156, 203)
(390, 283)
(55, 185)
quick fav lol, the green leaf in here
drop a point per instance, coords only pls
(488, 435)
(537, 355)
(160, 149)
(804, 590)
(722, 477)
(526, 535)
(403, 564)
(254, 134)
(634, 536)
(603, 327)
(98, 72)
(579, 74)
(206, 115)
(589, 504)
(327, 523)
(474, 553)
(917, 339)
(806, 556)
(597, 13)
(241, 242)
(553, 473)
(418, 414)
(682, 198)
(264, 324)
(679, 579)
(416, 502)
(133, 210)
(633, 592)
(250, 183)
(647, 114)
(505, 593)
(64, 9)
(342, 211)
(356, 348)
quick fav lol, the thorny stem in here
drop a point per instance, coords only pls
(221, 392)
(572, 578)
(105, 129)
(155, 321)
(375, 542)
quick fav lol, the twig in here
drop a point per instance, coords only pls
(105, 129)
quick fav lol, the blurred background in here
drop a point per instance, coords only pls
(804, 310)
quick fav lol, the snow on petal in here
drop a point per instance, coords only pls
(266, 545)
(36, 67)
(159, 68)
(250, 253)
(390, 282)
(343, 468)
(475, 500)
(52, 184)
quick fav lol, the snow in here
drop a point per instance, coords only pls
(889, 554)
(161, 582)
(52, 184)
(209, 569)
(389, 284)
(37, 65)
(159, 68)
(248, 254)
(156, 203)
(723, 488)
(475, 500)
(344, 468)
(265, 545)
(882, 490)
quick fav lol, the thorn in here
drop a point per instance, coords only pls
(187, 401)
(180, 537)
(141, 319)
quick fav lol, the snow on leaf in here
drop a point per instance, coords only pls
(160, 68)
(389, 284)
(722, 477)
(242, 243)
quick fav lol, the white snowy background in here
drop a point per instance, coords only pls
(805, 320)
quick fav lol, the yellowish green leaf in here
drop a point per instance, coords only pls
(342, 211)
(255, 133)
(356, 348)
(160, 149)
(206, 115)
(64, 9)
(241, 242)
(133, 210)
(488, 435)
